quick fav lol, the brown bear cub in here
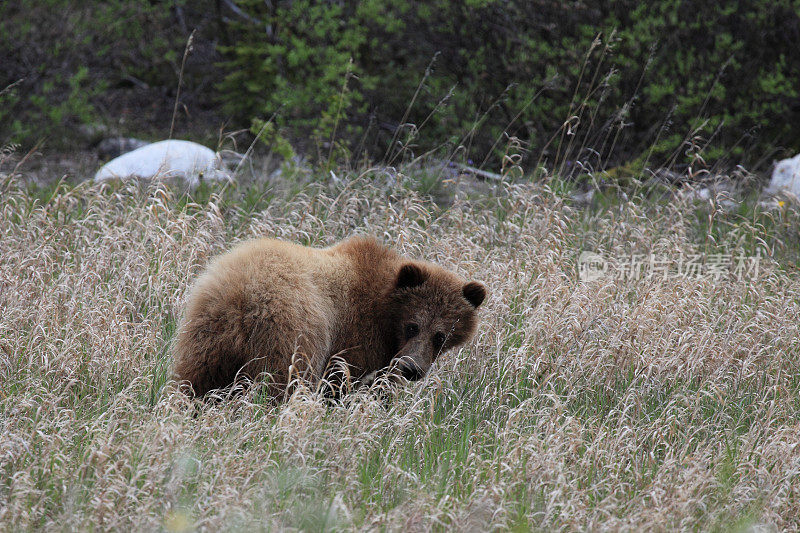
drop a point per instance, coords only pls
(271, 307)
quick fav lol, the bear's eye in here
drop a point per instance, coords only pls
(438, 341)
(412, 330)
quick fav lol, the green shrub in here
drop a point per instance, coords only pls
(635, 75)
(65, 62)
(603, 83)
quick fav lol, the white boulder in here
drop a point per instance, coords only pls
(185, 160)
(785, 178)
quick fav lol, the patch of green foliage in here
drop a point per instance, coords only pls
(462, 74)
(64, 61)
(598, 82)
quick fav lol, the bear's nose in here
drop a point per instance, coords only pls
(411, 371)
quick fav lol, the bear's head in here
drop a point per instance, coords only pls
(431, 310)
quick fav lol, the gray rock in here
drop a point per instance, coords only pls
(93, 133)
(721, 192)
(116, 146)
(583, 198)
(665, 175)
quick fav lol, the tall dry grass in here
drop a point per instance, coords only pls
(642, 404)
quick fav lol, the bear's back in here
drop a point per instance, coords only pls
(253, 309)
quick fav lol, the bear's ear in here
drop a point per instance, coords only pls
(411, 275)
(474, 292)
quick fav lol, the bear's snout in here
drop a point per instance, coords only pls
(409, 370)
(412, 361)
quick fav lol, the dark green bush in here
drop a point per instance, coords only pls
(660, 73)
(66, 63)
(602, 83)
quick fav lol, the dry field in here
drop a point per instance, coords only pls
(657, 403)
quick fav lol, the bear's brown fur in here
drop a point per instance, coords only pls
(283, 309)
